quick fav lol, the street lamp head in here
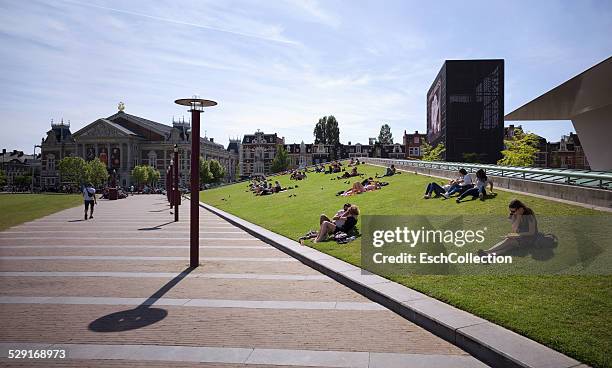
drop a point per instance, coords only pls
(197, 104)
(176, 148)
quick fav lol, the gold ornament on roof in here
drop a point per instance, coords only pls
(121, 106)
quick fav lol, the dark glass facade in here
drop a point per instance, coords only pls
(465, 110)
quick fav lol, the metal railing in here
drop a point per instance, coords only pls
(585, 178)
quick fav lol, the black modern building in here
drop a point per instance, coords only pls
(465, 110)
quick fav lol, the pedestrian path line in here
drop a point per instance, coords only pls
(139, 258)
(247, 355)
(196, 303)
(247, 276)
(202, 246)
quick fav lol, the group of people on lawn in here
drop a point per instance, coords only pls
(462, 185)
(260, 187)
(524, 227)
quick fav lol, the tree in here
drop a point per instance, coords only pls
(205, 174)
(73, 170)
(217, 171)
(2, 178)
(153, 175)
(473, 157)
(140, 174)
(327, 132)
(385, 136)
(521, 150)
(22, 181)
(96, 172)
(281, 160)
(433, 153)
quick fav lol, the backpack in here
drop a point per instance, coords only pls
(546, 241)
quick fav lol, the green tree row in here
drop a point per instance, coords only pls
(211, 171)
(145, 174)
(78, 171)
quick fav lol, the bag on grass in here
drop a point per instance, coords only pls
(546, 241)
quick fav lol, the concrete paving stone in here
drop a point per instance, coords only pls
(148, 258)
(259, 304)
(136, 252)
(394, 360)
(364, 277)
(309, 358)
(238, 288)
(309, 329)
(441, 317)
(398, 292)
(293, 268)
(338, 266)
(359, 306)
(513, 347)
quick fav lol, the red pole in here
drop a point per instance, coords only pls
(194, 222)
(176, 193)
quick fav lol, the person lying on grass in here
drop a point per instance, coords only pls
(328, 227)
(480, 189)
(524, 230)
(367, 185)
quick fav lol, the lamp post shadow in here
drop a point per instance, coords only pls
(141, 316)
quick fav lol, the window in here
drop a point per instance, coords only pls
(51, 162)
(415, 140)
(152, 158)
(414, 151)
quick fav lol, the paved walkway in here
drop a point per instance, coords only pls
(116, 290)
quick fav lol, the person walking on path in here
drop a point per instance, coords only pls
(89, 198)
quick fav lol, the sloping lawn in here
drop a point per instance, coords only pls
(568, 313)
(19, 208)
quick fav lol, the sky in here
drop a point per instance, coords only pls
(278, 65)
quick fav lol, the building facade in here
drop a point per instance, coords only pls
(123, 141)
(257, 152)
(465, 106)
(413, 143)
(568, 153)
(17, 164)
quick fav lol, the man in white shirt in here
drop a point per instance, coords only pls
(464, 184)
(89, 198)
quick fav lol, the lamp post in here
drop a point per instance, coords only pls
(169, 182)
(176, 193)
(196, 106)
(34, 159)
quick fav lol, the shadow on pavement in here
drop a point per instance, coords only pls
(141, 316)
(156, 227)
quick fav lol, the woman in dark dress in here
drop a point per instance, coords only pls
(524, 230)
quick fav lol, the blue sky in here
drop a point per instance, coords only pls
(278, 65)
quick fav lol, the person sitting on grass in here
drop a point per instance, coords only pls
(277, 187)
(461, 185)
(390, 172)
(328, 227)
(480, 189)
(347, 175)
(524, 230)
(338, 219)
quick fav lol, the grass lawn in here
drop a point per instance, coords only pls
(568, 313)
(19, 208)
